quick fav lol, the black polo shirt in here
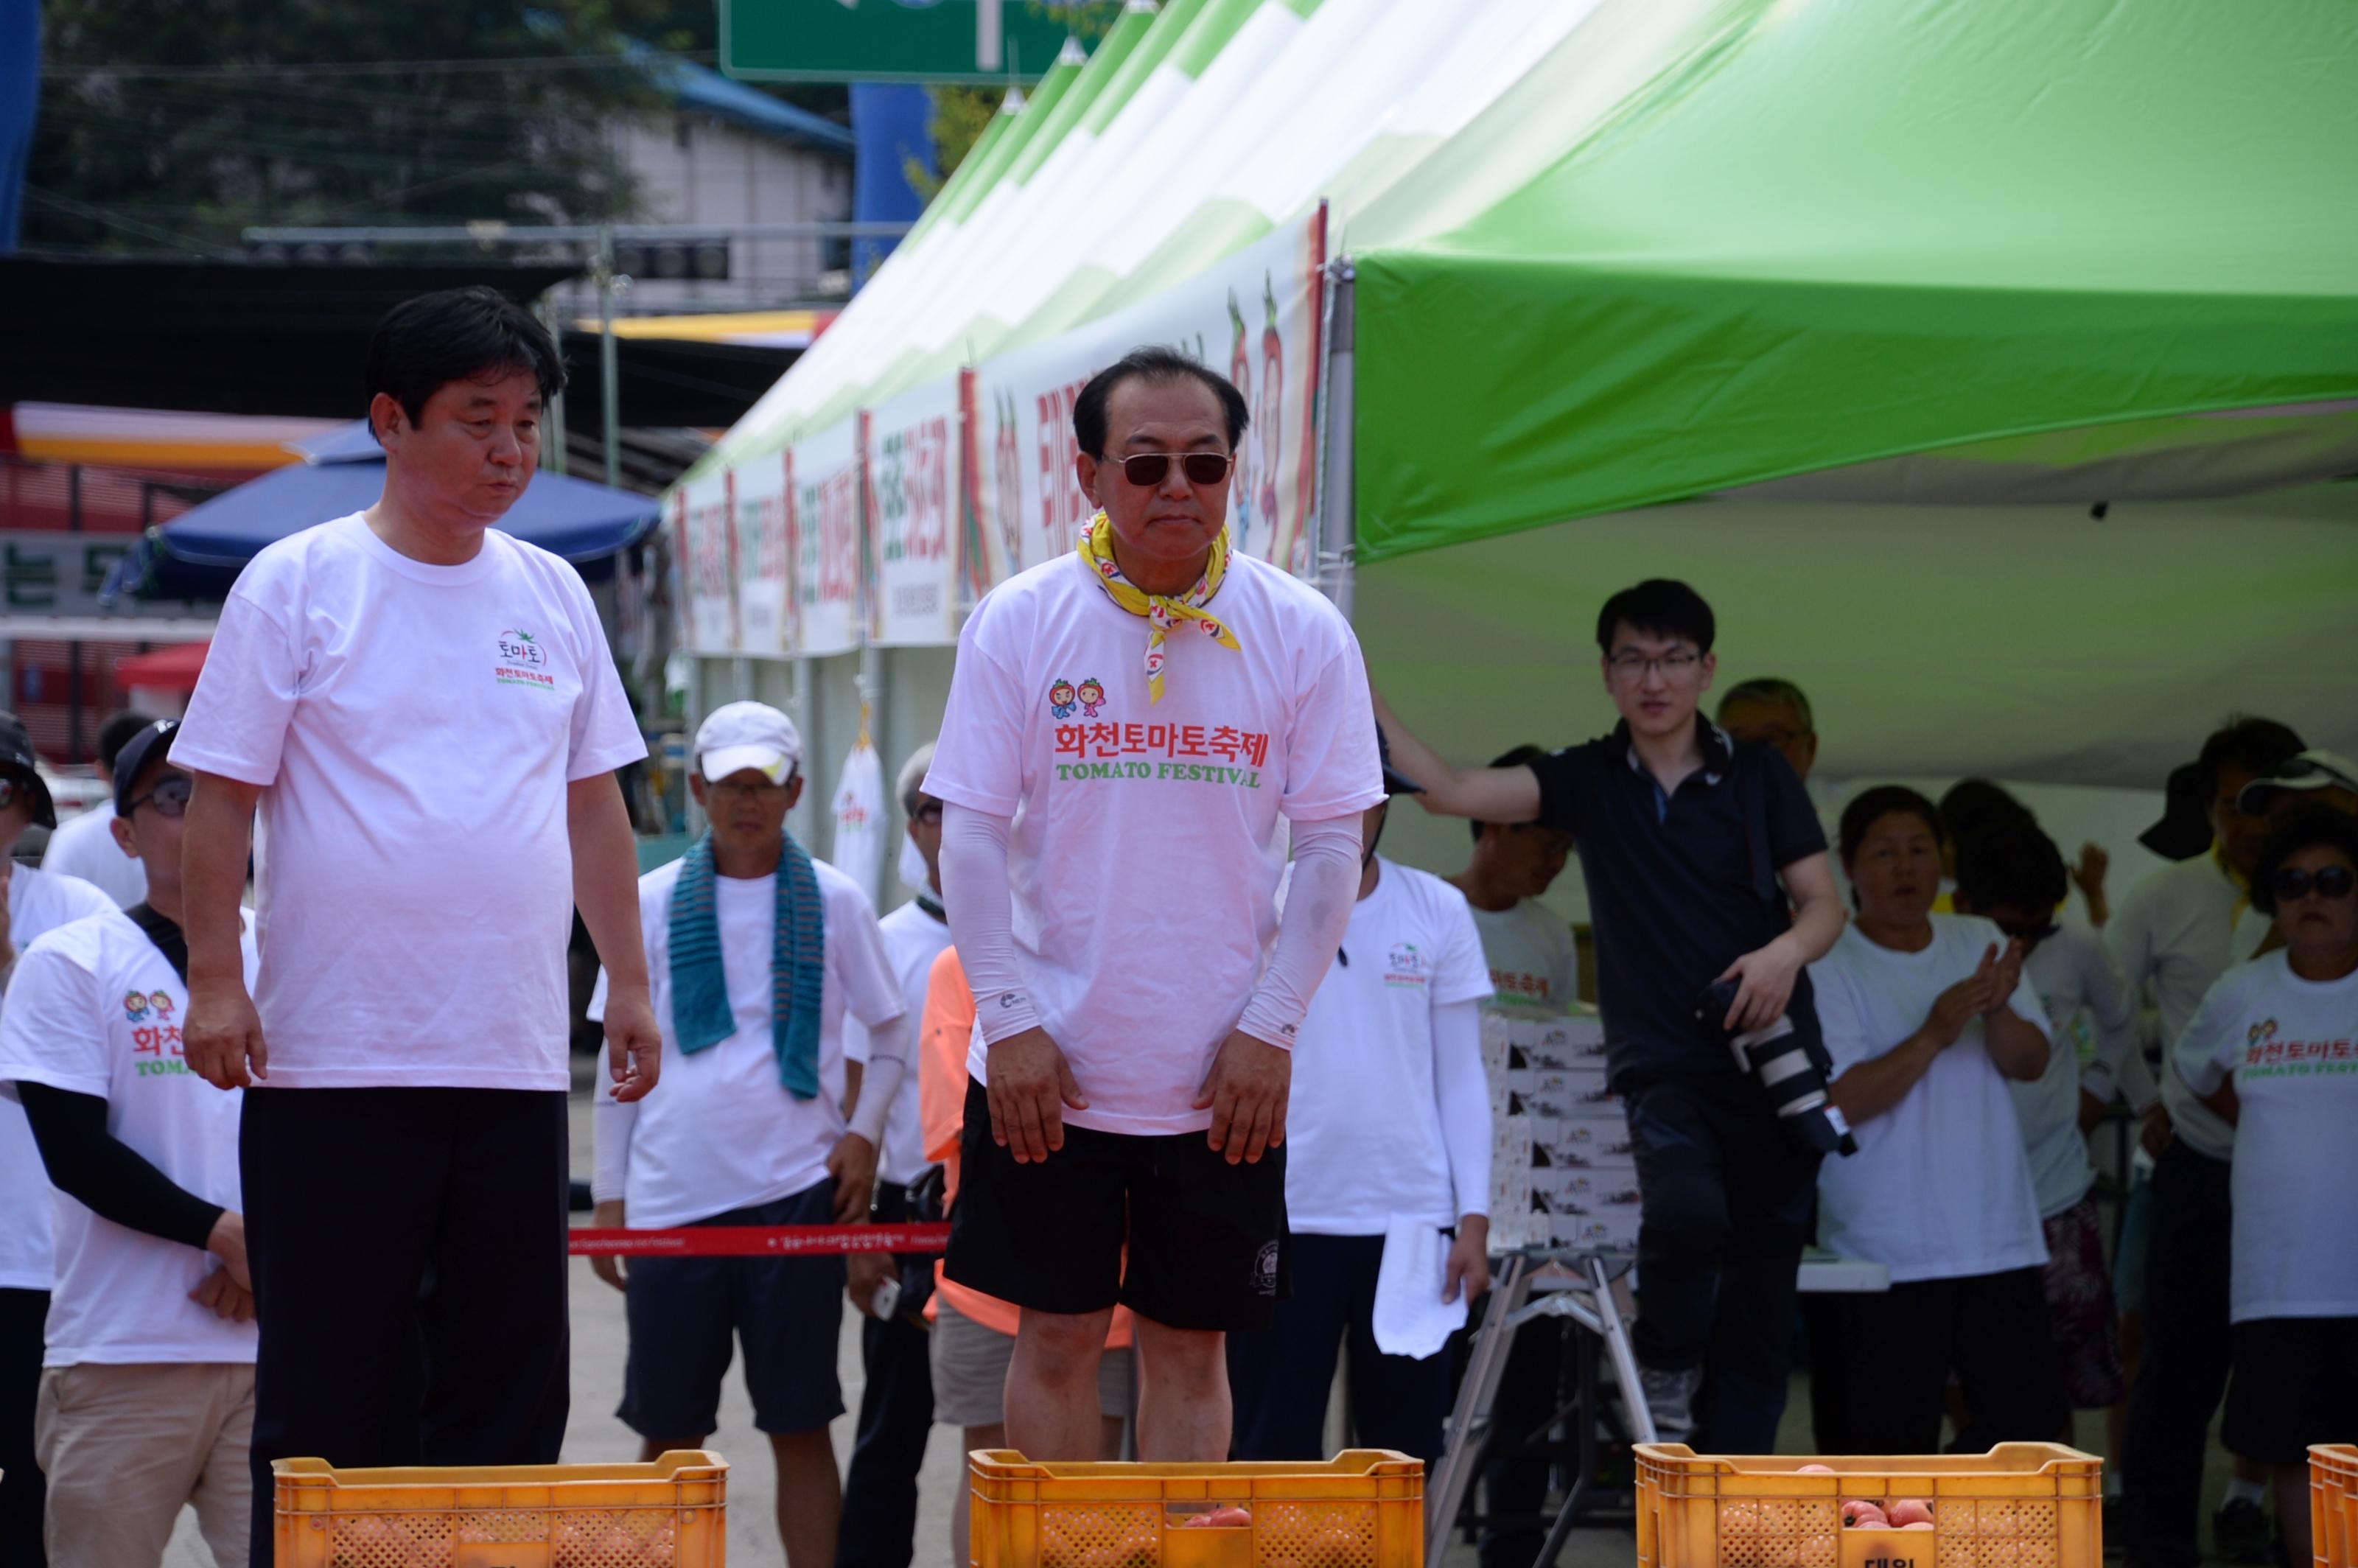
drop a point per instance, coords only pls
(1673, 892)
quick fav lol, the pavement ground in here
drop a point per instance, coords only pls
(600, 1339)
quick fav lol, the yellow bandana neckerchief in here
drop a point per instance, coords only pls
(1162, 611)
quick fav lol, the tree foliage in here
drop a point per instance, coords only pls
(177, 123)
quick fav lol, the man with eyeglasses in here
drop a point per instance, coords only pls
(760, 954)
(896, 1401)
(1705, 867)
(147, 1392)
(36, 902)
(1111, 884)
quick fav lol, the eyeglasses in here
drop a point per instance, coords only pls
(2333, 881)
(930, 814)
(169, 797)
(1146, 469)
(1632, 667)
(761, 789)
(2029, 935)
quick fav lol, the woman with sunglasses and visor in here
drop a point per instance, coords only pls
(2274, 1049)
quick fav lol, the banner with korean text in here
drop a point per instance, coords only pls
(701, 516)
(912, 456)
(1254, 316)
(758, 509)
(823, 522)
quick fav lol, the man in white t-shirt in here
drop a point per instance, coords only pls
(1127, 726)
(896, 1404)
(1528, 945)
(36, 902)
(84, 846)
(147, 1398)
(2174, 934)
(2274, 1049)
(1387, 1177)
(426, 713)
(759, 953)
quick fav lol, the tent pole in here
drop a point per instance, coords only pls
(1337, 538)
(610, 392)
(804, 723)
(552, 445)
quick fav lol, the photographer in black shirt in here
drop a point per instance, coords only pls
(1710, 891)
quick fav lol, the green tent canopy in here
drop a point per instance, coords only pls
(1914, 250)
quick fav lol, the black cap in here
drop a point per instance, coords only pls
(147, 746)
(1394, 784)
(2184, 830)
(17, 756)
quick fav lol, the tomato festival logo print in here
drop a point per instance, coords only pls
(1406, 967)
(1092, 696)
(1061, 700)
(522, 662)
(134, 1007)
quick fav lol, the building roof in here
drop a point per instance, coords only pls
(707, 92)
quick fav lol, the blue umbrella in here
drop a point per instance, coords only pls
(199, 553)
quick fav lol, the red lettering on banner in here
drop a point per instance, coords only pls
(1063, 507)
(928, 484)
(838, 537)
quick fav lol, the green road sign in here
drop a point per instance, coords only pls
(889, 40)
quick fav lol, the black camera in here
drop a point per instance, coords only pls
(1780, 1061)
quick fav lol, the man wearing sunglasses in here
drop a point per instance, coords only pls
(35, 902)
(1111, 885)
(2274, 1050)
(148, 1394)
(424, 714)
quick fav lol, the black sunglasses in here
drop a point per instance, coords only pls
(1145, 469)
(169, 797)
(2333, 881)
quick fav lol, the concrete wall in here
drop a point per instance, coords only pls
(697, 169)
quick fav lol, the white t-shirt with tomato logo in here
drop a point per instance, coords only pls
(1384, 1122)
(39, 902)
(1141, 863)
(413, 727)
(2292, 1045)
(95, 1008)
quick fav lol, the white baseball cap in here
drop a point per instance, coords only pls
(741, 735)
(2311, 770)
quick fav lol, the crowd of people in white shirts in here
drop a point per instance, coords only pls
(1974, 1038)
(1180, 1099)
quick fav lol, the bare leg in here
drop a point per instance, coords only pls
(2292, 1510)
(810, 1497)
(1052, 1384)
(1183, 1396)
(962, 1513)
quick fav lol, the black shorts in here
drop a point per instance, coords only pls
(684, 1313)
(2296, 1383)
(1208, 1248)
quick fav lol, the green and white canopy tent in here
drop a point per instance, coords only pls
(1987, 362)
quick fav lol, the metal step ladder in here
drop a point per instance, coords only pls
(1590, 1288)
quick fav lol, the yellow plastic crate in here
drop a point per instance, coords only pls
(2333, 1504)
(1363, 1508)
(671, 1513)
(2021, 1505)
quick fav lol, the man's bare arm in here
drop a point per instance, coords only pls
(606, 890)
(1483, 795)
(221, 1037)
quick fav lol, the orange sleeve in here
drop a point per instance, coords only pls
(942, 1039)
